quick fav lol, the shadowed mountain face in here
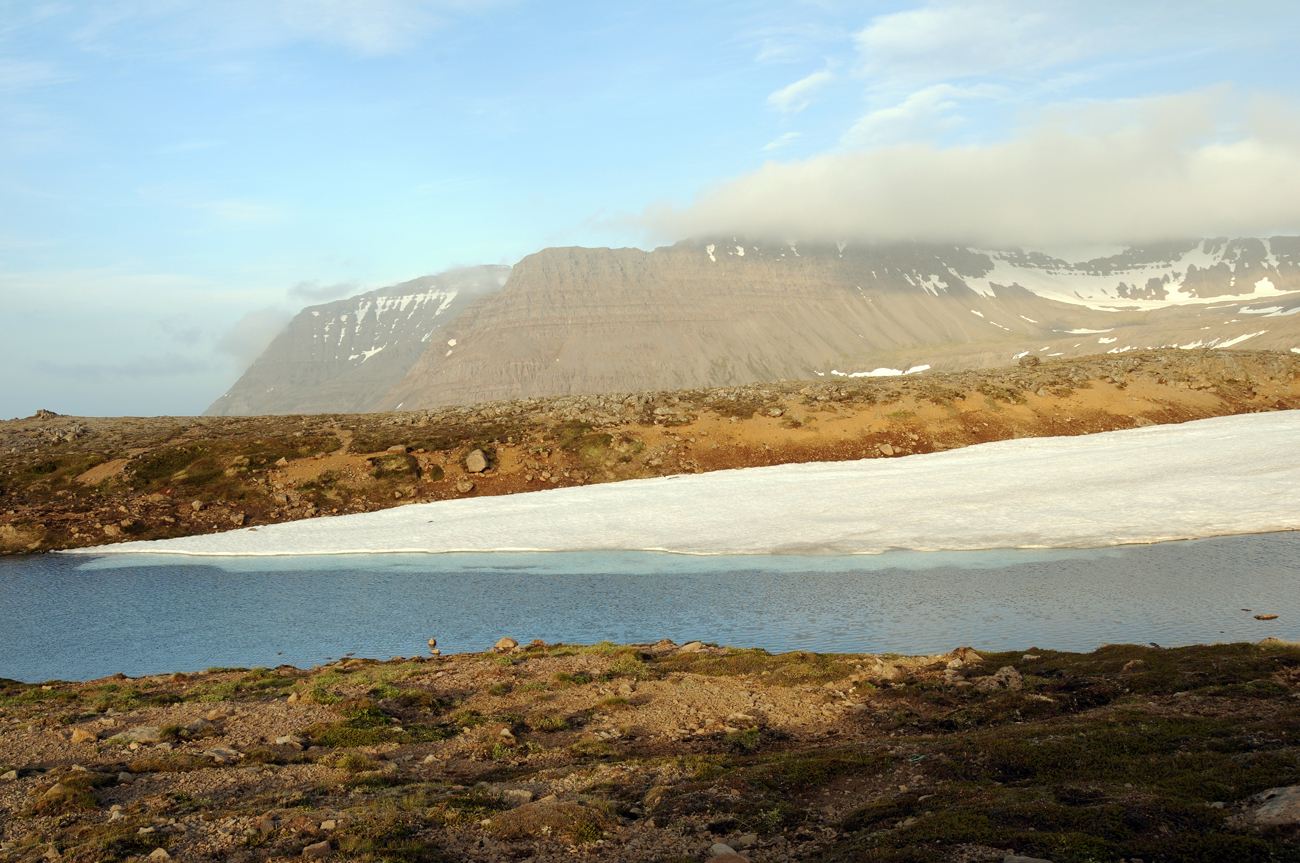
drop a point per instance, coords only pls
(339, 357)
(715, 313)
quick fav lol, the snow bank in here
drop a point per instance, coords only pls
(1214, 477)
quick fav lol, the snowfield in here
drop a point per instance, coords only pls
(1214, 477)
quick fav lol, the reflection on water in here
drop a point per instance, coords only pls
(77, 619)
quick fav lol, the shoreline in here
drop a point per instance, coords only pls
(654, 752)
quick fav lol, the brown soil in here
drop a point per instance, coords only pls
(655, 752)
(70, 482)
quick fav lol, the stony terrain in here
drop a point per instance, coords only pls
(660, 752)
(70, 482)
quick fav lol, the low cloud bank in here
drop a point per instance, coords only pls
(251, 334)
(1116, 173)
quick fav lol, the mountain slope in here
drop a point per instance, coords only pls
(714, 313)
(338, 356)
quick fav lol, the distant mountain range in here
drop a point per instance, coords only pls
(718, 312)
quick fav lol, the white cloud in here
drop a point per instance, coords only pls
(923, 114)
(1099, 173)
(782, 141)
(794, 98)
(245, 341)
(25, 74)
(316, 292)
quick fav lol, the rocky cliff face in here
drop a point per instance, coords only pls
(339, 357)
(714, 313)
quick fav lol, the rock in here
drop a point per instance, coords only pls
(464, 487)
(749, 840)
(1135, 665)
(397, 447)
(282, 462)
(112, 530)
(222, 754)
(728, 858)
(320, 849)
(196, 505)
(9, 776)
(476, 462)
(292, 699)
(885, 449)
(1277, 807)
(1266, 617)
(58, 789)
(1005, 678)
(1016, 858)
(125, 778)
(774, 412)
(430, 758)
(718, 849)
(81, 735)
(328, 824)
(141, 734)
(890, 672)
(691, 647)
(1028, 361)
(505, 645)
(197, 725)
(159, 854)
(288, 740)
(433, 642)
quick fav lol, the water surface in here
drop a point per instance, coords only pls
(75, 618)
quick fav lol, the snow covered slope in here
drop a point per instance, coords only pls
(338, 356)
(1213, 477)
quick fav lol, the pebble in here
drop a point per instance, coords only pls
(125, 778)
(159, 854)
(328, 824)
(718, 849)
(476, 462)
(885, 449)
(465, 487)
(9, 776)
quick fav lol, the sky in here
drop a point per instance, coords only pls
(179, 177)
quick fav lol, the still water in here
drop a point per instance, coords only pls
(75, 618)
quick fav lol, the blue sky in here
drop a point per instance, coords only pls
(177, 177)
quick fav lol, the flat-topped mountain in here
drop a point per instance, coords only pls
(341, 356)
(714, 313)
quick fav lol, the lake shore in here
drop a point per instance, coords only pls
(661, 752)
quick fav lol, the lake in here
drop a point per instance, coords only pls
(78, 618)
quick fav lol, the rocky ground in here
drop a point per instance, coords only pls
(69, 482)
(660, 752)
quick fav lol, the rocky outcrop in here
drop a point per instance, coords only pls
(339, 356)
(719, 313)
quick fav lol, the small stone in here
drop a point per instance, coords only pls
(747, 841)
(81, 735)
(885, 449)
(197, 725)
(125, 778)
(1005, 678)
(464, 487)
(729, 858)
(292, 699)
(518, 796)
(9, 776)
(196, 505)
(430, 758)
(774, 412)
(320, 849)
(141, 734)
(718, 849)
(58, 789)
(397, 447)
(691, 647)
(433, 642)
(476, 462)
(159, 854)
(505, 645)
(1135, 665)
(1030, 360)
(282, 462)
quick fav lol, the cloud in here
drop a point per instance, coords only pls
(316, 292)
(782, 141)
(956, 40)
(1120, 172)
(159, 366)
(794, 98)
(24, 74)
(923, 114)
(251, 334)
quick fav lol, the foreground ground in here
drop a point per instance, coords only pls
(68, 482)
(660, 753)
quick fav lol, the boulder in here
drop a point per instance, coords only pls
(476, 462)
(320, 849)
(691, 647)
(464, 487)
(1277, 807)
(141, 734)
(81, 735)
(159, 854)
(505, 645)
(1028, 361)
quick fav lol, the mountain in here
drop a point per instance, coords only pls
(338, 357)
(714, 312)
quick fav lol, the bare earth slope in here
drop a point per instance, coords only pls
(708, 313)
(76, 482)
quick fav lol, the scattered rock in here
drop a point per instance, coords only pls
(397, 447)
(328, 824)
(1016, 858)
(885, 449)
(125, 778)
(196, 505)
(728, 858)
(890, 672)
(464, 487)
(505, 645)
(691, 647)
(282, 462)
(58, 789)
(749, 840)
(774, 412)
(1266, 617)
(476, 462)
(433, 642)
(222, 754)
(159, 854)
(112, 530)
(718, 849)
(967, 654)
(518, 796)
(1135, 665)
(9, 776)
(1005, 678)
(1028, 361)
(320, 849)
